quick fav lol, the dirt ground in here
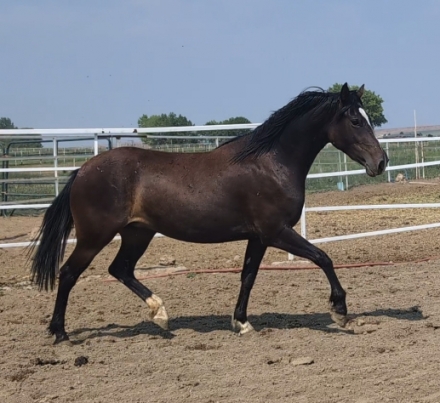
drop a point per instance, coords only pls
(389, 352)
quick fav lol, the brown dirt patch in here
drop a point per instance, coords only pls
(389, 354)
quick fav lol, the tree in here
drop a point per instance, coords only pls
(231, 121)
(6, 123)
(372, 104)
(165, 120)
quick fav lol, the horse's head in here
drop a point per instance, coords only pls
(352, 133)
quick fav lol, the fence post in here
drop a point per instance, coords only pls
(95, 144)
(303, 222)
(4, 176)
(340, 183)
(55, 164)
(387, 148)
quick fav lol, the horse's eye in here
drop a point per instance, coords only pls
(355, 122)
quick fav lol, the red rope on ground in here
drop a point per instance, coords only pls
(281, 268)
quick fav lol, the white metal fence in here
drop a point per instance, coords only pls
(117, 134)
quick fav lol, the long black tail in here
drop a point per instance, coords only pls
(54, 232)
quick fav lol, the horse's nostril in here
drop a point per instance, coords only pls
(382, 166)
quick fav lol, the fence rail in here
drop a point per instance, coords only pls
(328, 160)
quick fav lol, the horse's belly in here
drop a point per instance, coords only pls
(201, 228)
(201, 236)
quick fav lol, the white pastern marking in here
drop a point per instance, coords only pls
(364, 114)
(242, 328)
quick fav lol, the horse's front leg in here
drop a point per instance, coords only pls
(290, 241)
(254, 254)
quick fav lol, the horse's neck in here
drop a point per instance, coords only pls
(298, 147)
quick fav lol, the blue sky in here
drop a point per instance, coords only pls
(99, 63)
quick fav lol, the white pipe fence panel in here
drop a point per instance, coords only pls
(118, 133)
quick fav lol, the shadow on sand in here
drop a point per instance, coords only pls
(210, 323)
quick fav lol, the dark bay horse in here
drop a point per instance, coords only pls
(250, 188)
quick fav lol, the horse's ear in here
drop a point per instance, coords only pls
(360, 91)
(345, 93)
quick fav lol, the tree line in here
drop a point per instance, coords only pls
(372, 105)
(6, 123)
(173, 120)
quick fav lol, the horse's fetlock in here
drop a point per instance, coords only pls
(339, 295)
(338, 303)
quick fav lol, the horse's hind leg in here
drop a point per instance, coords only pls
(254, 254)
(134, 242)
(78, 261)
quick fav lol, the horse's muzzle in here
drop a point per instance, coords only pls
(380, 167)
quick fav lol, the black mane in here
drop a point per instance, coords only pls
(321, 104)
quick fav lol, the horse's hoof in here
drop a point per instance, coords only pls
(158, 313)
(66, 343)
(338, 318)
(242, 328)
(63, 341)
(161, 319)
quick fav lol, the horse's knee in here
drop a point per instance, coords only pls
(322, 259)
